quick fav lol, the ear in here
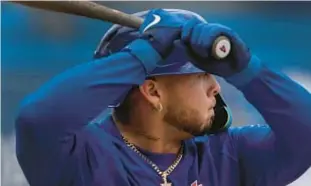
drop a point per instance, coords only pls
(151, 91)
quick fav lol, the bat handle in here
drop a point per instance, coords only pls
(221, 47)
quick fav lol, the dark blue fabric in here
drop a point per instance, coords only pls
(200, 38)
(61, 141)
(161, 34)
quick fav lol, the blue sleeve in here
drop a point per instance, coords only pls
(50, 121)
(277, 153)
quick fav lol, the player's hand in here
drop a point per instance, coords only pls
(161, 28)
(200, 38)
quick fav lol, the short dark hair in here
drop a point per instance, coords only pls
(123, 111)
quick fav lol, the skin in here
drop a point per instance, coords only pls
(170, 109)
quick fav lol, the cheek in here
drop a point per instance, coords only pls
(199, 97)
(197, 101)
(191, 96)
(201, 102)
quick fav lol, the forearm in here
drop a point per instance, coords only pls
(285, 106)
(76, 96)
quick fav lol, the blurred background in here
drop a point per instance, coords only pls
(36, 45)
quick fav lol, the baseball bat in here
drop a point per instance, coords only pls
(220, 49)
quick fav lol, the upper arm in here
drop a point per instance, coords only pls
(41, 154)
(277, 153)
(264, 159)
(83, 157)
(51, 121)
(71, 99)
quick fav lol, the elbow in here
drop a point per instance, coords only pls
(27, 126)
(26, 115)
(30, 137)
(24, 128)
(24, 134)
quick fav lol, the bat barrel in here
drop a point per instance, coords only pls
(220, 49)
(87, 9)
(108, 14)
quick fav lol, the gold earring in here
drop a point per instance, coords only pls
(159, 107)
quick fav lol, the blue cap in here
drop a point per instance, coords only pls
(117, 37)
(178, 62)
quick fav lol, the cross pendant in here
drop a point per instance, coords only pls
(166, 184)
(164, 176)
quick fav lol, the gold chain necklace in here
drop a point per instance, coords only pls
(163, 174)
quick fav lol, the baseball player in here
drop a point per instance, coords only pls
(169, 124)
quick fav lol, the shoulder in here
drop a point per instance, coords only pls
(103, 133)
(230, 140)
(250, 135)
(216, 144)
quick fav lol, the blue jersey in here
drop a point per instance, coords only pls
(60, 141)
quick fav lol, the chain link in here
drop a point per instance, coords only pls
(165, 173)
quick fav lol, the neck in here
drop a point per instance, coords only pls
(152, 139)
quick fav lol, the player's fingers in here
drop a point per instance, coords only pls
(198, 40)
(187, 30)
(211, 32)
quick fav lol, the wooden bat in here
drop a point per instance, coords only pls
(221, 46)
(87, 9)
